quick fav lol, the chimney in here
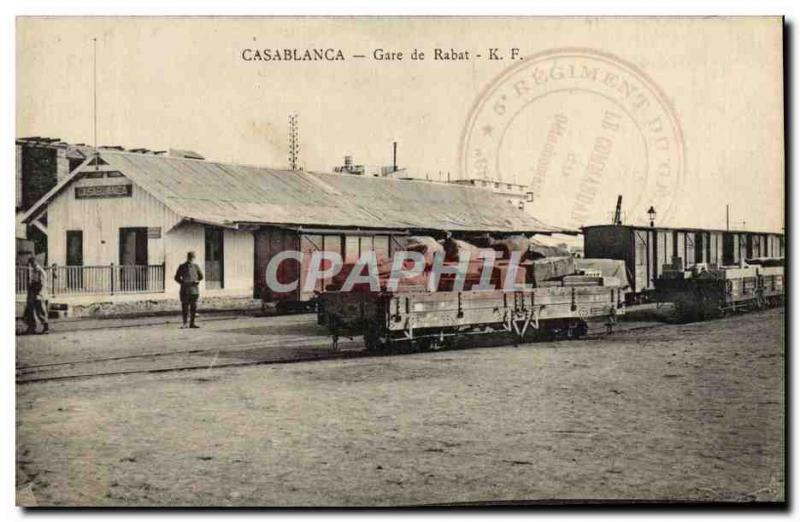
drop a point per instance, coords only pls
(348, 162)
(62, 163)
(394, 158)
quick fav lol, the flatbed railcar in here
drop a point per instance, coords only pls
(705, 294)
(432, 320)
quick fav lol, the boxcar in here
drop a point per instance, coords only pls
(270, 241)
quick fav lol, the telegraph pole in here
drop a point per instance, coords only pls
(94, 91)
(727, 217)
(294, 145)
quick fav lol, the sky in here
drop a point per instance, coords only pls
(713, 87)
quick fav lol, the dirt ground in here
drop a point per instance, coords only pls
(678, 412)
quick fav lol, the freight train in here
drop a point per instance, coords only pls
(553, 297)
(646, 259)
(647, 251)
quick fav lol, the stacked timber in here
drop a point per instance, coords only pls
(532, 268)
(550, 268)
(425, 245)
(457, 252)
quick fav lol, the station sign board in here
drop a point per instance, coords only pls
(104, 191)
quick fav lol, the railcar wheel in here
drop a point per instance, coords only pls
(574, 331)
(373, 342)
(428, 344)
(581, 330)
(425, 344)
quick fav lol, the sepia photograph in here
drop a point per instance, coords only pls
(399, 261)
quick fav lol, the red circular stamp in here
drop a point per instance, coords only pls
(578, 126)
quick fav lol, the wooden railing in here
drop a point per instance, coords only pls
(97, 280)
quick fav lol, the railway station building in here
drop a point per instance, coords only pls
(119, 224)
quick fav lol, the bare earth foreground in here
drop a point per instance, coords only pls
(681, 412)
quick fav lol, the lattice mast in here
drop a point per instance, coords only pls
(294, 142)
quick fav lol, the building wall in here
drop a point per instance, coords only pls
(100, 220)
(238, 260)
(239, 257)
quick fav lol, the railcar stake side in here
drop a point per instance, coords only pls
(432, 320)
(704, 293)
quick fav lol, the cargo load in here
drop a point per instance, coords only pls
(456, 250)
(540, 250)
(607, 268)
(530, 248)
(545, 296)
(425, 245)
(767, 261)
(548, 268)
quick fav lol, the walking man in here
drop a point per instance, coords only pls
(189, 277)
(35, 305)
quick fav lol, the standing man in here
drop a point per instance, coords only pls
(35, 305)
(189, 277)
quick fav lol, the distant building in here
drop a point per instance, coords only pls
(41, 164)
(384, 171)
(515, 193)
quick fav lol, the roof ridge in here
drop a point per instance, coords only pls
(287, 170)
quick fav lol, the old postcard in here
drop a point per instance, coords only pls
(399, 261)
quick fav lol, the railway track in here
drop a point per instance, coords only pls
(298, 349)
(282, 351)
(207, 367)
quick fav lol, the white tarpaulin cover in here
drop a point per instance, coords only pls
(607, 267)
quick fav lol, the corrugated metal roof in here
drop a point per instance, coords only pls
(227, 194)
